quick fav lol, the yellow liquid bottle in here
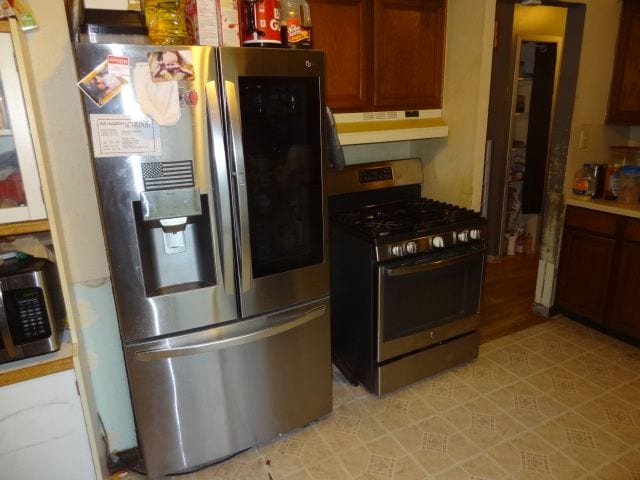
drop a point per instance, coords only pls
(166, 22)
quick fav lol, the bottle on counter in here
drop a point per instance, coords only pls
(295, 24)
(610, 190)
(583, 183)
(599, 173)
(166, 21)
(629, 184)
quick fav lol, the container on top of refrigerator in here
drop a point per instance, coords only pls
(261, 23)
(202, 22)
(295, 23)
(166, 21)
(229, 23)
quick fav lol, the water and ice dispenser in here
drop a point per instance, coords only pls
(174, 239)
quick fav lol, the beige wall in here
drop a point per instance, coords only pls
(592, 90)
(73, 209)
(539, 20)
(454, 165)
(64, 129)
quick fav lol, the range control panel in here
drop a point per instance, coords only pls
(431, 243)
(370, 175)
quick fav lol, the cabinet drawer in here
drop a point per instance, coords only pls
(591, 220)
(632, 230)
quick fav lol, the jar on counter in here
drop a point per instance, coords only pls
(583, 182)
(629, 184)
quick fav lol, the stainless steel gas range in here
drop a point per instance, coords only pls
(406, 277)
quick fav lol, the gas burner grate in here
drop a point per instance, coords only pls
(422, 215)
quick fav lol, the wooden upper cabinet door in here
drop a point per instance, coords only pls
(624, 98)
(409, 40)
(343, 29)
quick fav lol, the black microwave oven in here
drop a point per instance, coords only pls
(31, 309)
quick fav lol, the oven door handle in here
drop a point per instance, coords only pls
(423, 267)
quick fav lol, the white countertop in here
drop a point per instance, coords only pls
(608, 206)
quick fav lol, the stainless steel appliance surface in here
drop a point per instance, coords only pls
(406, 277)
(31, 309)
(211, 176)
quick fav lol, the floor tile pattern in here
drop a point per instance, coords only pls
(555, 401)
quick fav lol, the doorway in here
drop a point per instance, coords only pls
(533, 96)
(542, 128)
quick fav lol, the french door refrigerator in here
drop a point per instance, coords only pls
(210, 166)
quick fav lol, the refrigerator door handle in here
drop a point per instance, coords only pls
(278, 323)
(239, 175)
(222, 180)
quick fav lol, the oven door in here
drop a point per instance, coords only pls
(429, 299)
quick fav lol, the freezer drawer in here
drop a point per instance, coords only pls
(202, 396)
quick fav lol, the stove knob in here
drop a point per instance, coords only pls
(411, 247)
(463, 236)
(437, 242)
(396, 250)
(475, 234)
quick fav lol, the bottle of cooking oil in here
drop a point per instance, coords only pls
(166, 22)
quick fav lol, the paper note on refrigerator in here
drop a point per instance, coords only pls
(121, 135)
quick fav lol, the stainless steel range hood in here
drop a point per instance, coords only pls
(389, 126)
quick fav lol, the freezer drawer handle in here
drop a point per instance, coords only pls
(286, 322)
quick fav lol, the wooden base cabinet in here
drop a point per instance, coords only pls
(598, 277)
(625, 311)
(585, 268)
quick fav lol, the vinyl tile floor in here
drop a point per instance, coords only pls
(555, 401)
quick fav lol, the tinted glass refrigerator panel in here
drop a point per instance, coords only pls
(282, 155)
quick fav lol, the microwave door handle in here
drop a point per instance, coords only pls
(424, 267)
(5, 332)
(278, 323)
(238, 173)
(222, 179)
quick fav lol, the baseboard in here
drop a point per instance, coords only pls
(546, 312)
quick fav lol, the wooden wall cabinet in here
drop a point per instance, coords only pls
(624, 97)
(597, 273)
(381, 54)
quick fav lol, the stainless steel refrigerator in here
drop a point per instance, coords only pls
(210, 166)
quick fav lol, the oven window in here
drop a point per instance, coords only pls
(281, 139)
(421, 297)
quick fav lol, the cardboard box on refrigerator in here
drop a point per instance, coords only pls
(203, 22)
(228, 12)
